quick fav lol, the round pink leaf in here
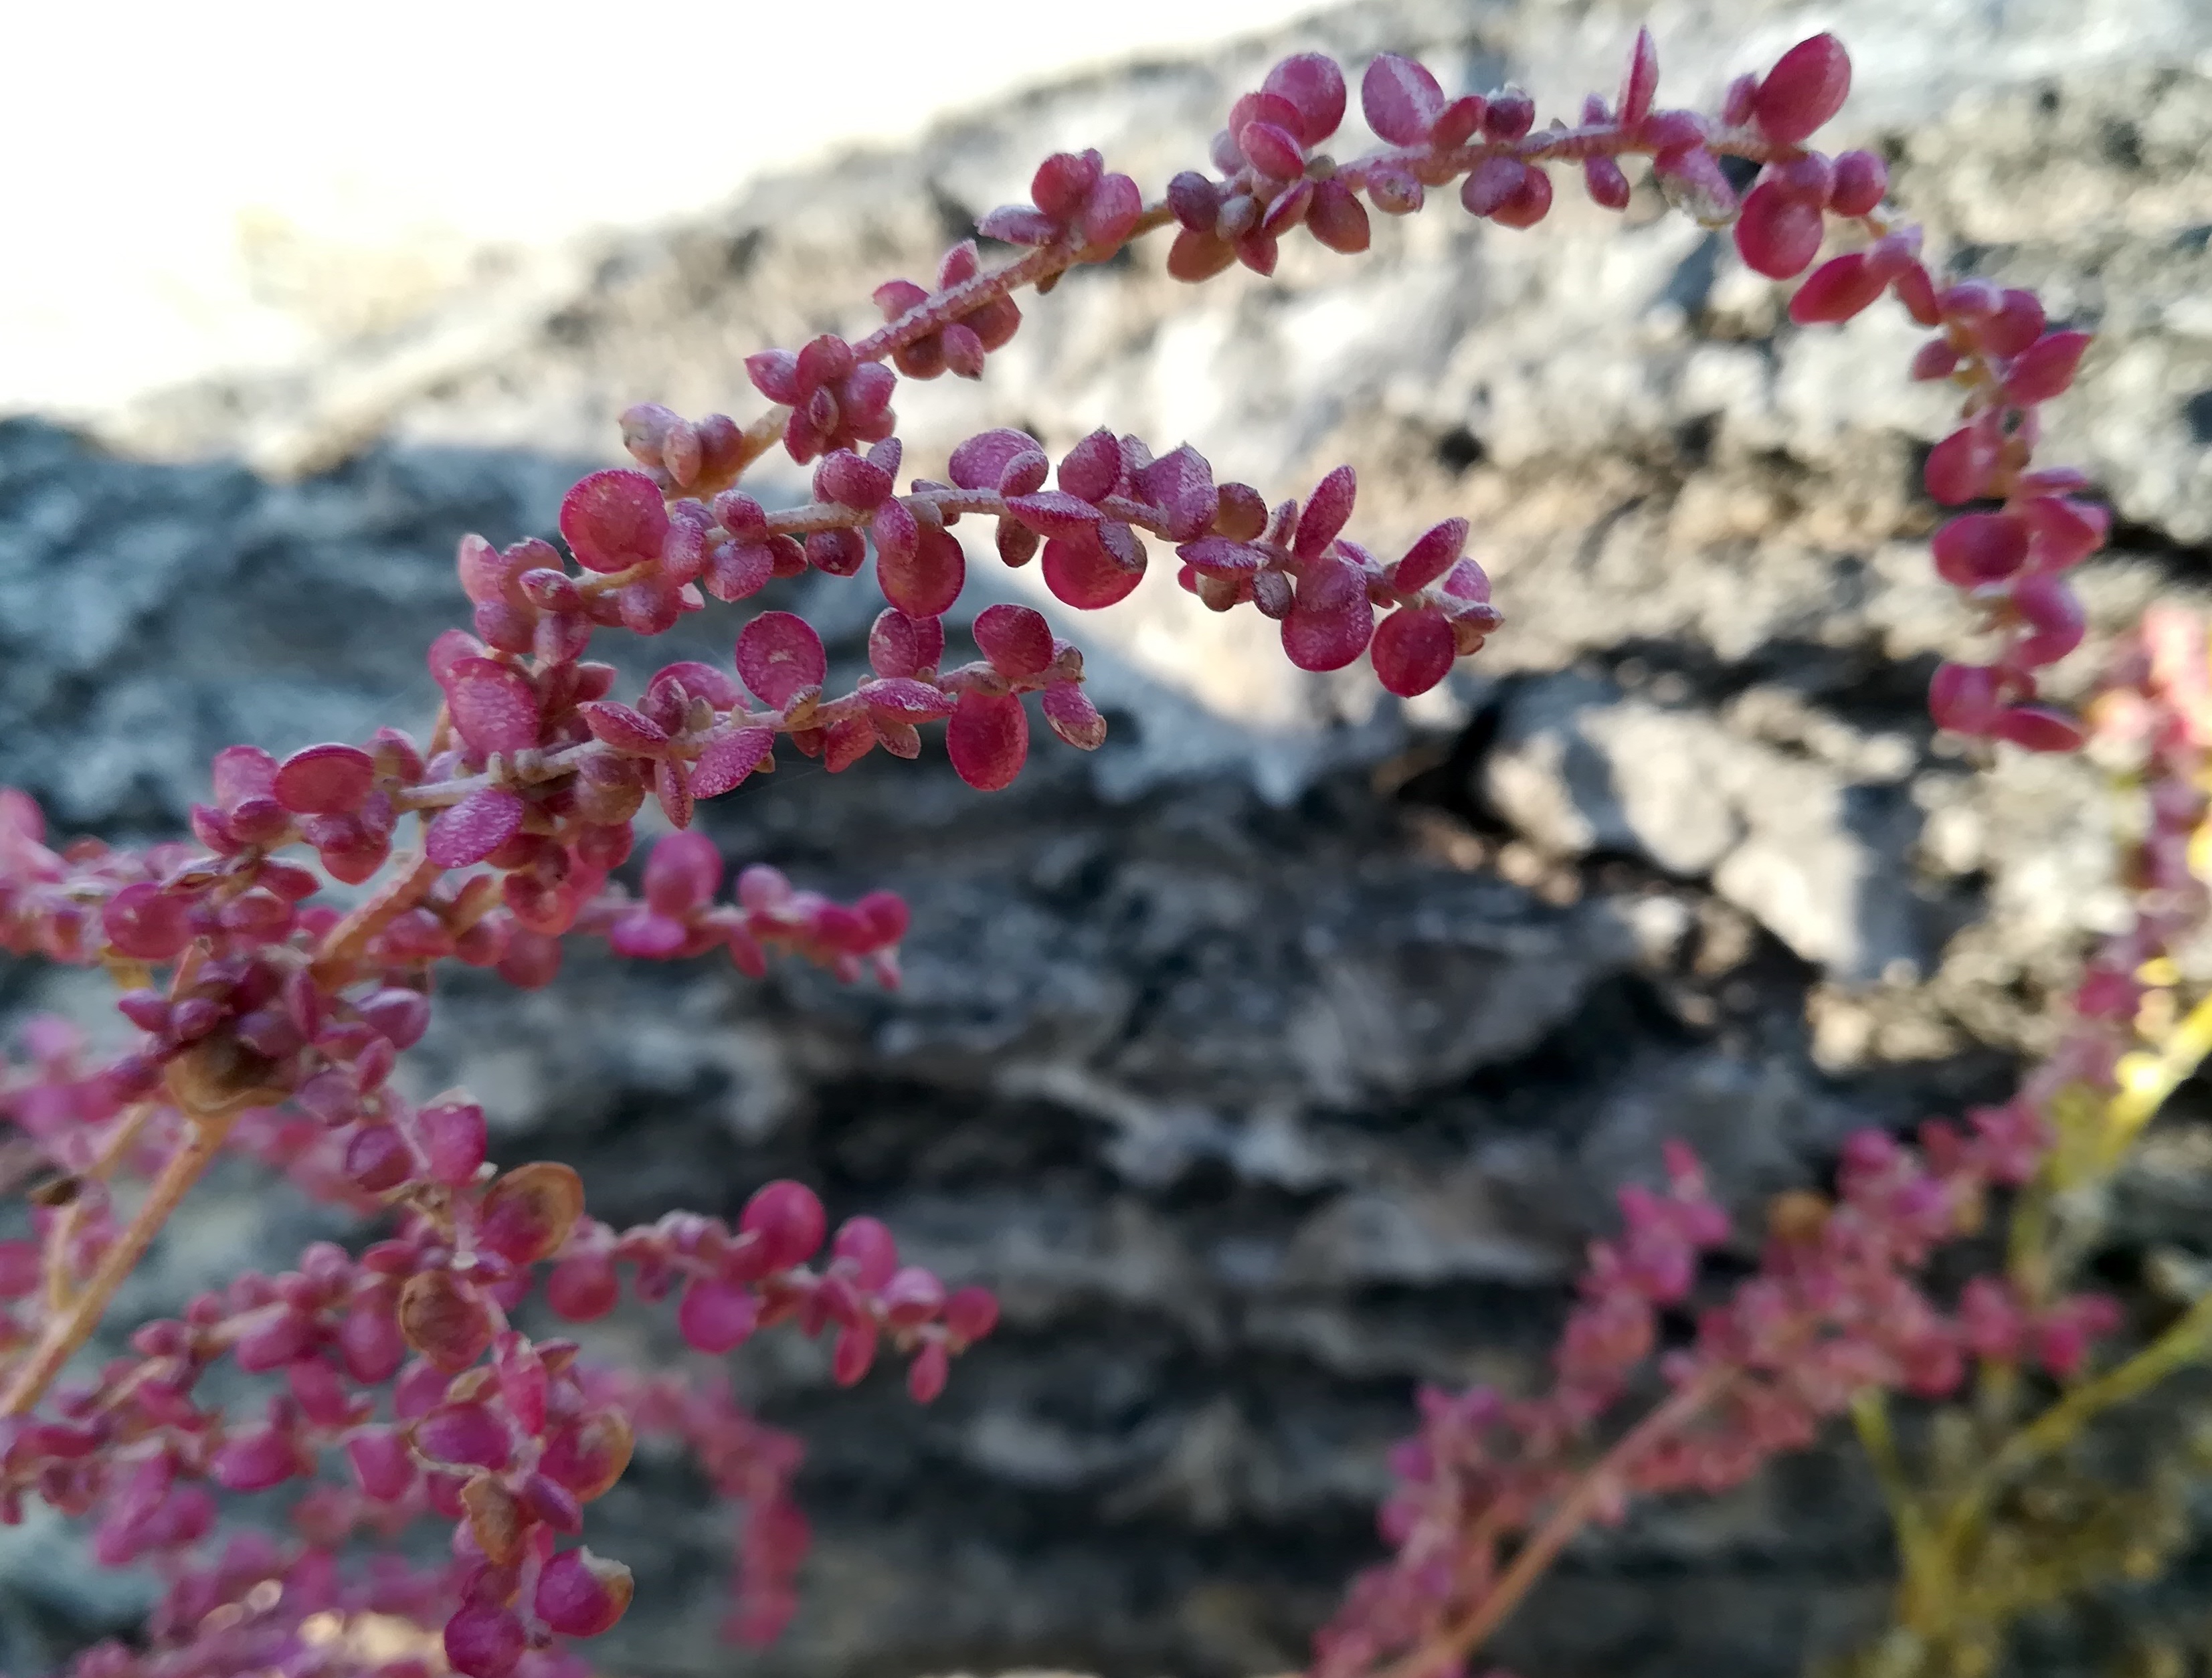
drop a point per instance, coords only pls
(1327, 510)
(987, 739)
(925, 579)
(1312, 85)
(901, 646)
(1413, 650)
(243, 772)
(1090, 470)
(779, 656)
(737, 570)
(325, 780)
(494, 707)
(1016, 639)
(146, 923)
(1807, 86)
(1330, 619)
(1084, 576)
(904, 699)
(1778, 234)
(1072, 716)
(702, 681)
(728, 759)
(470, 831)
(981, 462)
(614, 519)
(623, 728)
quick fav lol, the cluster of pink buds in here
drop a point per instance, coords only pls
(1077, 202)
(506, 1438)
(264, 1607)
(960, 345)
(735, 1282)
(678, 917)
(1494, 1486)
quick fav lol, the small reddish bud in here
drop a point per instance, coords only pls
(787, 1220)
(714, 1317)
(1606, 183)
(1778, 234)
(1862, 182)
(1640, 83)
(1511, 114)
(1980, 547)
(483, 1640)
(580, 1595)
(927, 1375)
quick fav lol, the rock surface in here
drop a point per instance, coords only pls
(1287, 1053)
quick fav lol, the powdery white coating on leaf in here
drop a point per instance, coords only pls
(926, 578)
(1016, 639)
(1080, 574)
(1330, 619)
(729, 759)
(614, 519)
(494, 707)
(987, 739)
(1400, 99)
(473, 829)
(1413, 650)
(779, 656)
(323, 779)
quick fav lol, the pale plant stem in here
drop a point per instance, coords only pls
(1452, 1645)
(126, 1132)
(350, 936)
(64, 1334)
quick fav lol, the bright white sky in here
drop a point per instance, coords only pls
(138, 137)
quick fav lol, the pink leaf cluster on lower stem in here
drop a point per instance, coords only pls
(1836, 1307)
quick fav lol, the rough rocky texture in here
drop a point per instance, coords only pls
(1285, 1054)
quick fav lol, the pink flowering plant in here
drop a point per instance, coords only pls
(272, 967)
